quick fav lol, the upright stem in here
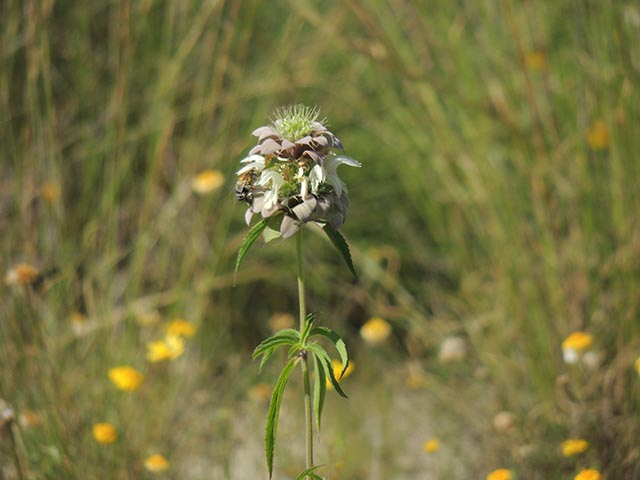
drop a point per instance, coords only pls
(305, 364)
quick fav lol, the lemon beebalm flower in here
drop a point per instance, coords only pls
(181, 328)
(170, 348)
(125, 378)
(207, 181)
(500, 474)
(431, 446)
(337, 370)
(574, 446)
(575, 345)
(156, 463)
(375, 331)
(588, 474)
(22, 274)
(104, 433)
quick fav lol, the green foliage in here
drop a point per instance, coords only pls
(274, 412)
(308, 473)
(341, 245)
(300, 346)
(251, 237)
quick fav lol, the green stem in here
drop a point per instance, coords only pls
(308, 414)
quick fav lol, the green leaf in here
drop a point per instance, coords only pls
(267, 347)
(323, 356)
(334, 338)
(341, 244)
(270, 234)
(307, 327)
(288, 336)
(274, 412)
(309, 473)
(319, 389)
(251, 237)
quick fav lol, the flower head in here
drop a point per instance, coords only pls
(588, 474)
(575, 345)
(181, 328)
(170, 348)
(22, 274)
(291, 174)
(104, 432)
(637, 365)
(375, 331)
(452, 349)
(431, 446)
(156, 463)
(500, 474)
(125, 378)
(207, 181)
(574, 446)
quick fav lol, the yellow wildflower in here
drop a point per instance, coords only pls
(29, 418)
(156, 463)
(337, 369)
(500, 474)
(50, 191)
(574, 446)
(588, 474)
(637, 365)
(104, 432)
(536, 61)
(125, 377)
(598, 136)
(431, 446)
(375, 331)
(146, 318)
(168, 349)
(260, 392)
(415, 380)
(575, 345)
(22, 274)
(181, 328)
(207, 181)
(280, 320)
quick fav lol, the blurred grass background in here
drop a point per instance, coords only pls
(498, 204)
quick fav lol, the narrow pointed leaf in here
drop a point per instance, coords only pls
(272, 342)
(319, 389)
(251, 237)
(274, 413)
(334, 338)
(307, 326)
(341, 245)
(265, 358)
(323, 356)
(308, 473)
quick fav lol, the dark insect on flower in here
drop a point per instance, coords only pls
(245, 187)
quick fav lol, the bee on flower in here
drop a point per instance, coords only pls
(290, 175)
